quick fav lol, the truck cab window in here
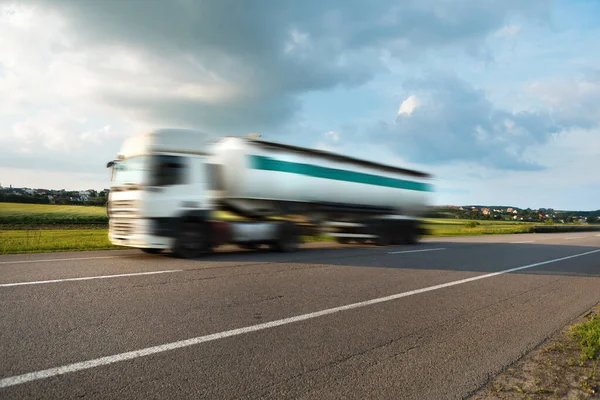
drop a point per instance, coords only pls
(168, 170)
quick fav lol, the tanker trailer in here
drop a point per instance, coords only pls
(344, 197)
(276, 193)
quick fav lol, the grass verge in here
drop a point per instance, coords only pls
(15, 241)
(565, 366)
(588, 336)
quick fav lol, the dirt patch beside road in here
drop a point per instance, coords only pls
(567, 366)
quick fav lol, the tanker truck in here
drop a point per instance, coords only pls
(184, 192)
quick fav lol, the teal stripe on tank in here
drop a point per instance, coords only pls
(270, 164)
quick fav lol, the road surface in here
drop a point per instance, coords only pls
(433, 321)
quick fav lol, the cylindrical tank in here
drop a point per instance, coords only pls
(257, 175)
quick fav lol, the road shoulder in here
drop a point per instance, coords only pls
(555, 369)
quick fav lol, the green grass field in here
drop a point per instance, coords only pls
(454, 227)
(50, 214)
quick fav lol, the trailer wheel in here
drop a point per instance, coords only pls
(381, 230)
(192, 240)
(288, 238)
(382, 239)
(411, 233)
(250, 246)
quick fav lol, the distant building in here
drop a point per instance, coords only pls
(84, 195)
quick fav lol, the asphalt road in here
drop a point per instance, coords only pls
(327, 322)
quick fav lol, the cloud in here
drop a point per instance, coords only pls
(61, 140)
(573, 98)
(457, 122)
(333, 136)
(81, 75)
(509, 31)
(230, 66)
(408, 105)
(563, 185)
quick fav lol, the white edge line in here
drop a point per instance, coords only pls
(88, 278)
(574, 237)
(60, 259)
(47, 373)
(415, 251)
(525, 241)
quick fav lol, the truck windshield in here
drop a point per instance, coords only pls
(157, 170)
(131, 171)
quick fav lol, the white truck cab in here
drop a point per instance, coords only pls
(157, 178)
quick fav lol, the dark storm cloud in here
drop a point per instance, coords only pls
(245, 42)
(456, 122)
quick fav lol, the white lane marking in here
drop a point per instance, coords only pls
(65, 369)
(525, 241)
(87, 278)
(59, 259)
(415, 251)
(574, 237)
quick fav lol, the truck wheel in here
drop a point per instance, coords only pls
(288, 238)
(411, 237)
(379, 228)
(152, 251)
(191, 240)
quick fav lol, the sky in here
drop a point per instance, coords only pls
(498, 99)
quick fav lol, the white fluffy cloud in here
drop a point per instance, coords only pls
(408, 105)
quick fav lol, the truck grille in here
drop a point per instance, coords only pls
(122, 208)
(122, 203)
(122, 227)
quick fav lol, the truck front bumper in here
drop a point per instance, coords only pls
(136, 232)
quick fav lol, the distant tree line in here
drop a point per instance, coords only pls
(526, 215)
(15, 198)
(99, 200)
